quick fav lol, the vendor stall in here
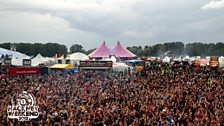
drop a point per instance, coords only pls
(120, 67)
(95, 65)
(63, 68)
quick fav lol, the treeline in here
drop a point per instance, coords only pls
(176, 48)
(48, 49)
(179, 48)
(202, 49)
(79, 48)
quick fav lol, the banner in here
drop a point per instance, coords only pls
(27, 70)
(26, 62)
(96, 63)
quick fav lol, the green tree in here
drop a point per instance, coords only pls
(89, 51)
(178, 48)
(197, 49)
(6, 45)
(76, 48)
(48, 49)
(137, 50)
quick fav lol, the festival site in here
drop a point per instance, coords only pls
(112, 87)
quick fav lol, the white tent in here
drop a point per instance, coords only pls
(19, 61)
(10, 53)
(177, 59)
(187, 57)
(113, 59)
(75, 58)
(60, 58)
(50, 58)
(49, 61)
(166, 59)
(24, 57)
(16, 62)
(221, 61)
(38, 60)
(192, 59)
(2, 60)
(207, 57)
(198, 57)
(78, 56)
(120, 66)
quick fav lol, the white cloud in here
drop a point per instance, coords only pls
(89, 22)
(34, 27)
(97, 6)
(214, 5)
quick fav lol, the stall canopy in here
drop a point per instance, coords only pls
(65, 67)
(120, 66)
(120, 51)
(134, 61)
(62, 66)
(102, 51)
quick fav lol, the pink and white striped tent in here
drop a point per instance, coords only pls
(120, 51)
(102, 51)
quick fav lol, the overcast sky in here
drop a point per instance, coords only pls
(132, 22)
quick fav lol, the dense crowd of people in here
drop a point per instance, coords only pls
(163, 96)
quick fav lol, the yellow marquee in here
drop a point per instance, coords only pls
(62, 66)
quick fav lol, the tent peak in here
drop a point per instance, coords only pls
(101, 51)
(120, 51)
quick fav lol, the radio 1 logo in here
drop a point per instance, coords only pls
(23, 107)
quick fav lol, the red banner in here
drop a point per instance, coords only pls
(27, 70)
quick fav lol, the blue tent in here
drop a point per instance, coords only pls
(70, 70)
(5, 52)
(134, 61)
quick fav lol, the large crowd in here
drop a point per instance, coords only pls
(162, 96)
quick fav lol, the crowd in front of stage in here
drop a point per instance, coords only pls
(164, 96)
